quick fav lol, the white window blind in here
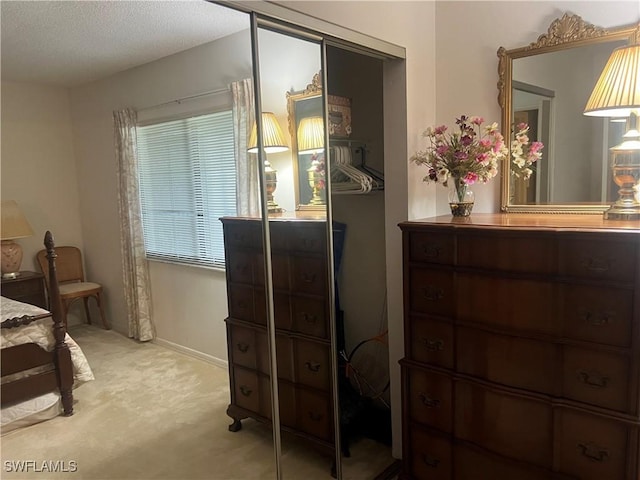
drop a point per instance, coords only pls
(187, 182)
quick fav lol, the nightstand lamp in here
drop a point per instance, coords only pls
(617, 94)
(14, 226)
(274, 142)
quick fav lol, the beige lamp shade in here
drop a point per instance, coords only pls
(617, 92)
(272, 136)
(310, 135)
(14, 224)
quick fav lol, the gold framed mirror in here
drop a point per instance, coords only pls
(306, 126)
(546, 84)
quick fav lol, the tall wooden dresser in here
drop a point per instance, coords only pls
(301, 304)
(522, 342)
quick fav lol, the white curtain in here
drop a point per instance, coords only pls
(137, 287)
(247, 194)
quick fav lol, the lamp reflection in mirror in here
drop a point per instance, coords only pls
(14, 226)
(274, 142)
(617, 94)
(311, 140)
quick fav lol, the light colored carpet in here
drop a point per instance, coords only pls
(152, 413)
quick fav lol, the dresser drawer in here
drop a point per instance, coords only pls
(241, 304)
(596, 377)
(248, 393)
(472, 464)
(287, 401)
(515, 426)
(309, 316)
(281, 309)
(312, 364)
(431, 342)
(308, 275)
(242, 234)
(314, 414)
(279, 271)
(431, 247)
(308, 238)
(597, 314)
(593, 448)
(244, 347)
(431, 291)
(429, 394)
(507, 360)
(598, 259)
(507, 252)
(240, 268)
(525, 305)
(430, 455)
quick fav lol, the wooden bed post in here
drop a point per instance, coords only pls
(61, 354)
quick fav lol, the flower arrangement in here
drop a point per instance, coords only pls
(469, 155)
(524, 154)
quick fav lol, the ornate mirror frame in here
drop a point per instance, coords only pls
(567, 32)
(301, 188)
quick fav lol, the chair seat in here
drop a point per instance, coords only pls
(79, 288)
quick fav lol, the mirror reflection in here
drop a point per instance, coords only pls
(306, 126)
(546, 85)
(550, 91)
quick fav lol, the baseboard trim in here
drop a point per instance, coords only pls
(192, 353)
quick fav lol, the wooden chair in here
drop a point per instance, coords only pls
(71, 281)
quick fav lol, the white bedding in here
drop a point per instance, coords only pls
(39, 332)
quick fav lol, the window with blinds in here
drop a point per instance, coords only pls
(187, 179)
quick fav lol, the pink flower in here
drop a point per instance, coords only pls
(485, 142)
(477, 120)
(535, 147)
(522, 126)
(440, 130)
(470, 178)
(442, 149)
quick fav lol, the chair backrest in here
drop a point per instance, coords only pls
(68, 264)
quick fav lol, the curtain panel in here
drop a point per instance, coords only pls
(137, 286)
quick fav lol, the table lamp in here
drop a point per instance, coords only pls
(617, 94)
(14, 226)
(274, 142)
(311, 140)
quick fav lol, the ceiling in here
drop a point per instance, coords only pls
(69, 43)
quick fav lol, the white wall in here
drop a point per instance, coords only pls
(39, 169)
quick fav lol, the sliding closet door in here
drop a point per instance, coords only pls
(303, 329)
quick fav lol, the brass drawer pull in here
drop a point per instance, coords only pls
(433, 344)
(598, 319)
(593, 452)
(430, 461)
(309, 318)
(243, 347)
(309, 277)
(316, 417)
(431, 250)
(433, 294)
(246, 391)
(312, 366)
(593, 379)
(597, 265)
(428, 401)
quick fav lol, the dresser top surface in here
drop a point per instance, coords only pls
(528, 221)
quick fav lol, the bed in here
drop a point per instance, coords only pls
(40, 362)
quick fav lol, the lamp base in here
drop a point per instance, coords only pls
(623, 212)
(11, 258)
